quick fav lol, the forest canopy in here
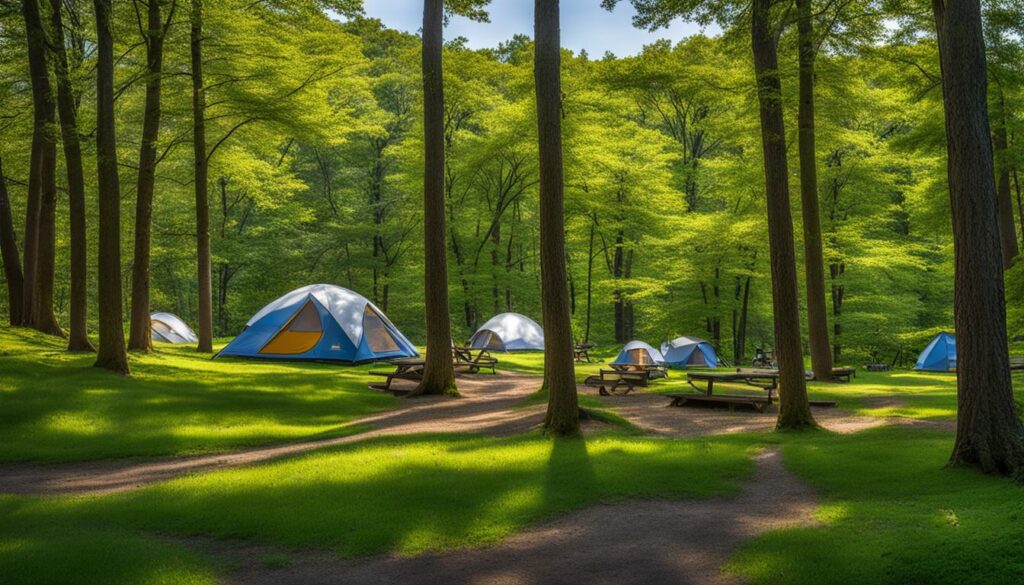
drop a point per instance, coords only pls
(315, 141)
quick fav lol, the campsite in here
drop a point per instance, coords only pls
(515, 293)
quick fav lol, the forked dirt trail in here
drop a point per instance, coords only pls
(487, 406)
(647, 541)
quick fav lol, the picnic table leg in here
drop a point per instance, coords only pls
(711, 386)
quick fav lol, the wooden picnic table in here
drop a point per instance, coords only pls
(610, 382)
(405, 369)
(1016, 363)
(652, 370)
(767, 380)
(474, 359)
(581, 352)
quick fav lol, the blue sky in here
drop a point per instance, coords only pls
(585, 25)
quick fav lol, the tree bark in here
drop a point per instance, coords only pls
(111, 354)
(794, 410)
(814, 263)
(140, 337)
(1004, 196)
(203, 262)
(438, 374)
(590, 277)
(563, 407)
(989, 433)
(9, 254)
(40, 223)
(78, 340)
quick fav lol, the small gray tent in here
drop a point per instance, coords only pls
(169, 328)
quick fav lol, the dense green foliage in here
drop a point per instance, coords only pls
(316, 175)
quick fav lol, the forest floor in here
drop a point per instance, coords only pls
(298, 473)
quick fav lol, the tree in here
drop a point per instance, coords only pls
(139, 335)
(111, 354)
(78, 340)
(9, 255)
(559, 372)
(794, 410)
(202, 187)
(438, 373)
(814, 262)
(989, 433)
(40, 228)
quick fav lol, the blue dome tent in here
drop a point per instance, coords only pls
(320, 322)
(939, 356)
(639, 353)
(683, 352)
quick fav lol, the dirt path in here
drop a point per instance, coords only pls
(647, 541)
(487, 407)
(651, 413)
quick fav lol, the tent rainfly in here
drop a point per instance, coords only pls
(509, 332)
(683, 352)
(939, 356)
(320, 322)
(639, 353)
(169, 328)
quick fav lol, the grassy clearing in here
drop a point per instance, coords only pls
(409, 495)
(55, 407)
(893, 514)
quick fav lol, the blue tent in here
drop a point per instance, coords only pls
(320, 322)
(940, 355)
(684, 352)
(638, 353)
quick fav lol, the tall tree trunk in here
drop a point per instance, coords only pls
(438, 374)
(989, 433)
(40, 228)
(590, 277)
(1004, 197)
(1020, 204)
(563, 407)
(794, 410)
(838, 293)
(9, 254)
(140, 338)
(111, 353)
(78, 340)
(202, 188)
(619, 308)
(814, 263)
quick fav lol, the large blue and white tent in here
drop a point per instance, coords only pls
(639, 353)
(939, 356)
(683, 352)
(321, 322)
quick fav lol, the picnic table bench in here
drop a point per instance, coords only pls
(652, 370)
(767, 380)
(844, 373)
(610, 382)
(410, 369)
(1016, 362)
(474, 359)
(581, 352)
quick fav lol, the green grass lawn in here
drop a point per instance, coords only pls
(55, 407)
(892, 514)
(408, 495)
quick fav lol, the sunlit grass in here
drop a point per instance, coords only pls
(893, 514)
(406, 495)
(54, 406)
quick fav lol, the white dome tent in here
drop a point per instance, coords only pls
(169, 328)
(509, 332)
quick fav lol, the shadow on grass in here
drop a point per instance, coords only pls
(55, 407)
